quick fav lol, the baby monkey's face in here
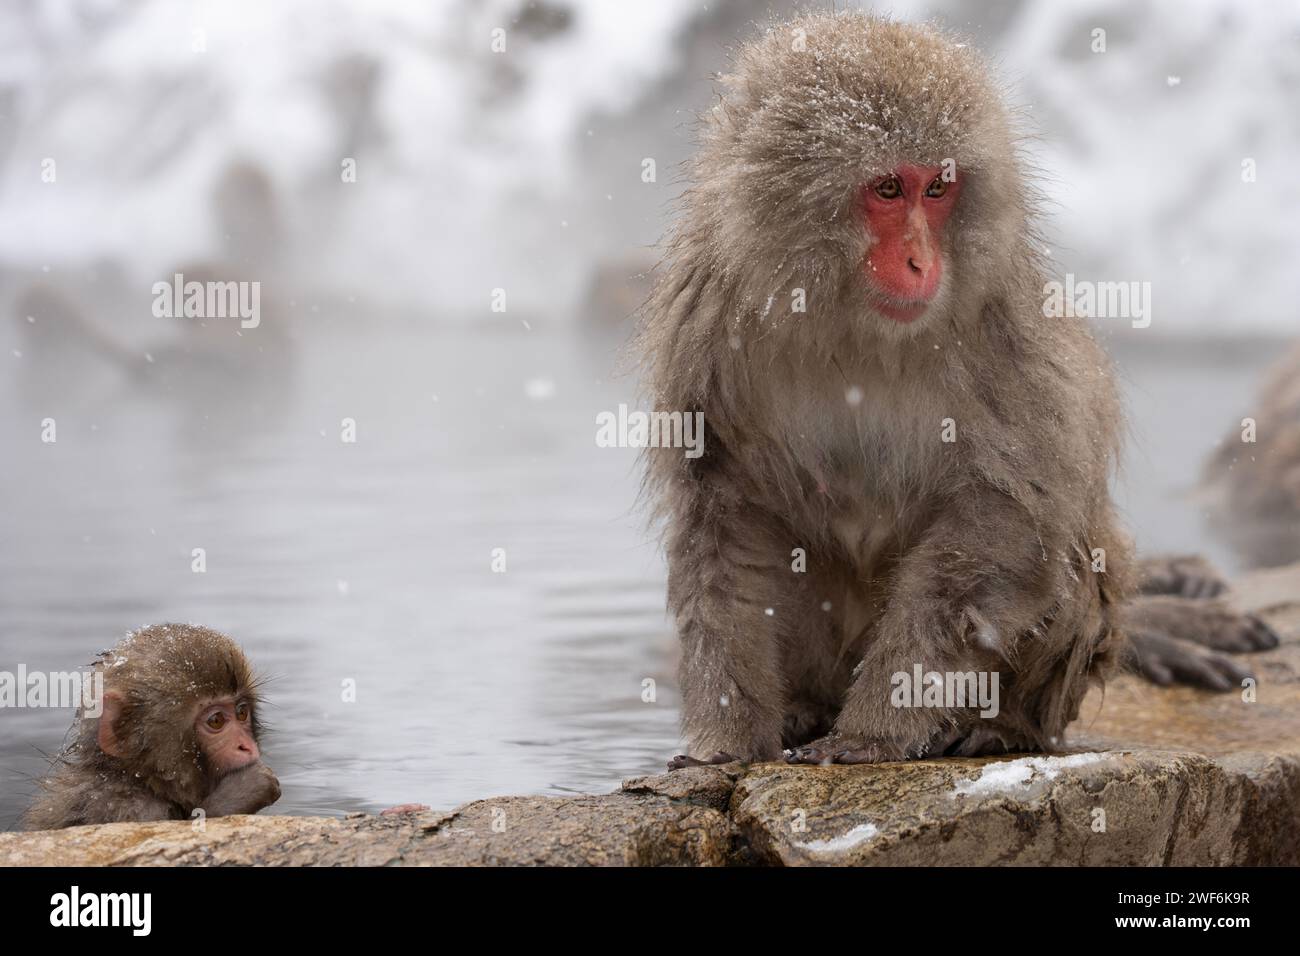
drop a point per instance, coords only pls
(224, 731)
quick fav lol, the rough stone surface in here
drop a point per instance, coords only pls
(1155, 777)
(602, 830)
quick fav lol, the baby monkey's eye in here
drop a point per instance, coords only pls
(216, 720)
(889, 188)
(243, 712)
(936, 188)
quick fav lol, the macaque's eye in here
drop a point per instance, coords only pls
(243, 712)
(216, 720)
(936, 188)
(889, 188)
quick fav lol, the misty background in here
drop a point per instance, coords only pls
(140, 138)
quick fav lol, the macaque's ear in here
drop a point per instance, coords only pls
(107, 737)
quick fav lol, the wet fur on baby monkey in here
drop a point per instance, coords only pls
(176, 731)
(936, 449)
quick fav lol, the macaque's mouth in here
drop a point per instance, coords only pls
(904, 312)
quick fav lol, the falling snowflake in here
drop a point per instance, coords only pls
(539, 389)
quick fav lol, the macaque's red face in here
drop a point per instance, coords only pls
(906, 211)
(224, 730)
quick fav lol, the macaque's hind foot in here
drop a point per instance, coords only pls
(1215, 625)
(1239, 633)
(835, 749)
(1168, 660)
(1188, 576)
(1167, 634)
(684, 760)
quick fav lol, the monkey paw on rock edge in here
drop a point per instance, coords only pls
(683, 760)
(834, 748)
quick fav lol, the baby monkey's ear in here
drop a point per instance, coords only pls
(107, 737)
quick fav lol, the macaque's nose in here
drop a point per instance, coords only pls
(920, 247)
(922, 257)
(249, 746)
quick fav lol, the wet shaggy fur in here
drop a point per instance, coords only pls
(166, 672)
(823, 428)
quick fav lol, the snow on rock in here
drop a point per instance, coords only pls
(845, 841)
(1010, 775)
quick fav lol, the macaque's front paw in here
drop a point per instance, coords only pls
(264, 788)
(684, 760)
(1168, 660)
(246, 790)
(837, 749)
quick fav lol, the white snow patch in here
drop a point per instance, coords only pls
(1002, 777)
(845, 841)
